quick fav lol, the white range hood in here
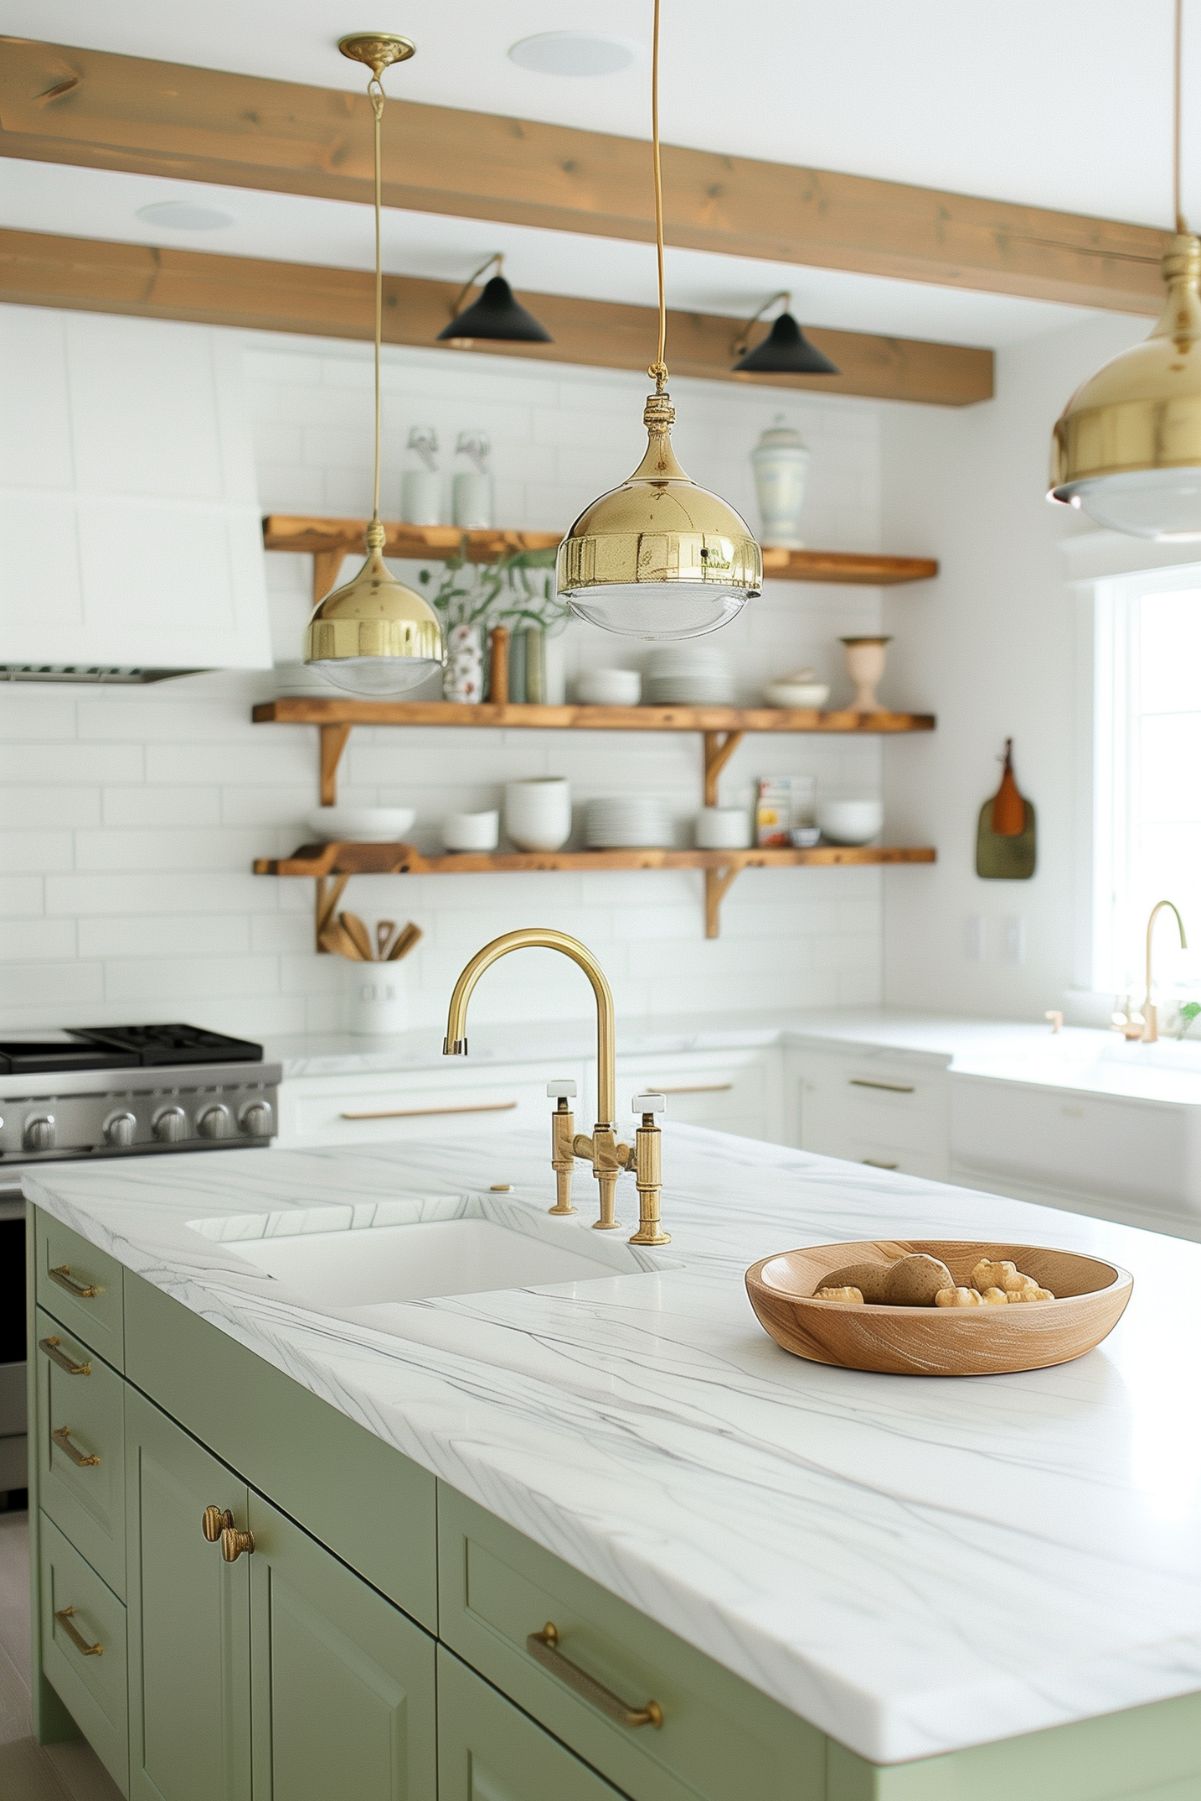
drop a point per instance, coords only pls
(130, 537)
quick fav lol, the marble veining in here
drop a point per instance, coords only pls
(915, 1565)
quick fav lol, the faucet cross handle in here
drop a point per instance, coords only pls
(651, 1103)
(561, 1088)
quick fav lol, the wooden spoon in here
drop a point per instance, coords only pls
(358, 934)
(338, 942)
(403, 942)
(385, 930)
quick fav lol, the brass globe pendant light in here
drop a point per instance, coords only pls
(659, 557)
(1127, 447)
(373, 636)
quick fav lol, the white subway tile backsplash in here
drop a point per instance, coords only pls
(137, 812)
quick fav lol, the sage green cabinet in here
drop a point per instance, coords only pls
(342, 1683)
(188, 1619)
(488, 1750)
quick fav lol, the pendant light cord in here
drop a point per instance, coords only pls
(375, 93)
(1177, 207)
(658, 369)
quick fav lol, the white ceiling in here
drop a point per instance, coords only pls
(1059, 103)
(95, 203)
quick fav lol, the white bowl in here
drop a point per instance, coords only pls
(471, 831)
(723, 828)
(850, 821)
(538, 813)
(796, 694)
(609, 687)
(363, 825)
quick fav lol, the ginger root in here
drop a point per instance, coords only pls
(1003, 1274)
(959, 1297)
(1033, 1293)
(846, 1293)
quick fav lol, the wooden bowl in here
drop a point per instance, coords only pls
(1090, 1298)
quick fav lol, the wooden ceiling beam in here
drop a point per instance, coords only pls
(93, 275)
(89, 107)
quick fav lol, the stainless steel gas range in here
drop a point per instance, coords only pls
(108, 1091)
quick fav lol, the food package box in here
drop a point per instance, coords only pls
(782, 802)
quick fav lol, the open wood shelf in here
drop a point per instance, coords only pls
(332, 865)
(518, 716)
(327, 541)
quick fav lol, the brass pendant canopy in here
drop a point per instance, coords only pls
(659, 557)
(1127, 447)
(373, 635)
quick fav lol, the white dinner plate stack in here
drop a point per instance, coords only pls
(627, 822)
(688, 675)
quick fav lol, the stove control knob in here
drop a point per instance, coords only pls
(216, 1122)
(171, 1125)
(257, 1120)
(39, 1133)
(119, 1130)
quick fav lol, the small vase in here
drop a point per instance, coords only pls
(780, 462)
(865, 666)
(498, 670)
(421, 497)
(463, 677)
(535, 664)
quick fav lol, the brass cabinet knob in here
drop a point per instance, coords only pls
(234, 1542)
(213, 1522)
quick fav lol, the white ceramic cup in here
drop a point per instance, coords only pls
(538, 812)
(609, 687)
(471, 831)
(850, 819)
(723, 828)
(377, 999)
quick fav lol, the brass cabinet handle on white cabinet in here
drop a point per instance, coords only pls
(84, 1460)
(431, 1112)
(694, 1088)
(544, 1646)
(83, 1291)
(876, 1163)
(886, 1087)
(50, 1348)
(66, 1619)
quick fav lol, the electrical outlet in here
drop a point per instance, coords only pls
(1013, 939)
(974, 937)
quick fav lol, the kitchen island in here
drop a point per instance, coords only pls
(914, 1568)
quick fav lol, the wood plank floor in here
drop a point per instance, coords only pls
(29, 1771)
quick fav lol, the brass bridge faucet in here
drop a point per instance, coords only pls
(600, 1147)
(1150, 1032)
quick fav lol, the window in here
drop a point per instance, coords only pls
(1147, 764)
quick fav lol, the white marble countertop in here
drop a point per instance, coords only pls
(914, 1565)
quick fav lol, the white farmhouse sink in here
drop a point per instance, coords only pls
(359, 1256)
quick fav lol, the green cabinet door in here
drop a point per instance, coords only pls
(188, 1619)
(488, 1750)
(342, 1681)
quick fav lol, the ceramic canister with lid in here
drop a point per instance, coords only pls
(781, 462)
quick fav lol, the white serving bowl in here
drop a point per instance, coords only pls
(850, 820)
(609, 687)
(723, 828)
(796, 694)
(471, 831)
(363, 825)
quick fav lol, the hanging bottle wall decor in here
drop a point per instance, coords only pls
(1006, 834)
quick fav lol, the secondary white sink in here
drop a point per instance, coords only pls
(414, 1251)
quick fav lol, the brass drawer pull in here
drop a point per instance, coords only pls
(694, 1088)
(886, 1087)
(431, 1112)
(86, 1460)
(544, 1647)
(66, 1619)
(875, 1163)
(50, 1346)
(83, 1291)
(233, 1543)
(213, 1522)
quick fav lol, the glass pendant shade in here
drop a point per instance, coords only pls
(785, 351)
(497, 316)
(373, 636)
(1127, 447)
(659, 557)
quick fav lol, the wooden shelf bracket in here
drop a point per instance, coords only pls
(334, 739)
(719, 748)
(718, 883)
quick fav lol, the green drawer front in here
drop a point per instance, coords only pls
(350, 1490)
(83, 1648)
(719, 1738)
(82, 1287)
(1145, 1754)
(489, 1751)
(79, 1431)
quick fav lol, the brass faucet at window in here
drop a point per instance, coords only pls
(1150, 1010)
(600, 1147)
